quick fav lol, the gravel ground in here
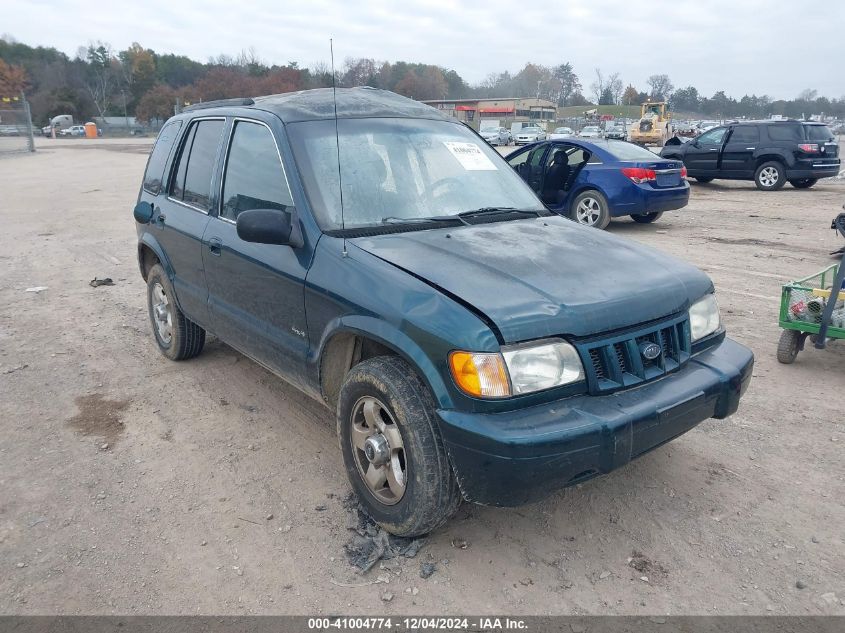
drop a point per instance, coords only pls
(134, 485)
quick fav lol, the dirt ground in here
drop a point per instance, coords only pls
(130, 484)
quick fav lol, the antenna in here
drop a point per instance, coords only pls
(337, 144)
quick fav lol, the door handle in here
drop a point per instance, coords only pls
(750, 148)
(714, 149)
(215, 245)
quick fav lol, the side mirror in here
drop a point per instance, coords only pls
(266, 226)
(143, 212)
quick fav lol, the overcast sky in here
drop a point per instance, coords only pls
(769, 47)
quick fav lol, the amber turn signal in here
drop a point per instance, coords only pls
(482, 375)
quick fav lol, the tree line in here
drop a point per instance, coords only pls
(140, 82)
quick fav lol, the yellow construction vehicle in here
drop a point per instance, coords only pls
(654, 126)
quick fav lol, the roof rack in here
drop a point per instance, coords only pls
(240, 101)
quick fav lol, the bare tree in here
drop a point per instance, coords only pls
(661, 87)
(614, 84)
(598, 86)
(103, 76)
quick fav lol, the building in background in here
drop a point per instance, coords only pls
(504, 110)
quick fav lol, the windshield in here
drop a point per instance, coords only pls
(401, 169)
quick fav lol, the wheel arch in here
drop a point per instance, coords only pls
(350, 340)
(150, 253)
(769, 156)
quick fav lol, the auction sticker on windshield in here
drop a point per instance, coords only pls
(470, 156)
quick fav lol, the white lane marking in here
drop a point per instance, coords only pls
(753, 273)
(745, 293)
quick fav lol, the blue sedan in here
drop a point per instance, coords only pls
(592, 182)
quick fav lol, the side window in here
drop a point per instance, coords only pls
(785, 133)
(255, 178)
(518, 160)
(745, 134)
(192, 182)
(535, 157)
(713, 137)
(161, 150)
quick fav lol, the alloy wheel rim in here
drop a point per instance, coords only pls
(769, 177)
(378, 450)
(588, 211)
(162, 316)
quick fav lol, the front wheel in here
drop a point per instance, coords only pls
(394, 456)
(803, 183)
(770, 176)
(177, 337)
(788, 346)
(647, 218)
(590, 209)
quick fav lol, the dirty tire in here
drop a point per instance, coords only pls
(788, 346)
(647, 218)
(770, 176)
(590, 209)
(187, 338)
(431, 494)
(703, 179)
(803, 183)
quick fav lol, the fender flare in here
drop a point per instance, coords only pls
(148, 240)
(391, 337)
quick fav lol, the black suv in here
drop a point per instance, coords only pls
(768, 152)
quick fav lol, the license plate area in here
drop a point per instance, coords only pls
(668, 180)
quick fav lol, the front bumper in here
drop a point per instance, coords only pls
(507, 459)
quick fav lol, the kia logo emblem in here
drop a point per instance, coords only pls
(650, 351)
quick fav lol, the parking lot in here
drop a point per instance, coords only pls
(135, 485)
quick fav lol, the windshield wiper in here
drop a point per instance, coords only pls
(392, 219)
(497, 211)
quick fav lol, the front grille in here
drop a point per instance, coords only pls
(617, 362)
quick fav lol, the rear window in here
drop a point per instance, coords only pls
(192, 183)
(785, 133)
(628, 151)
(161, 150)
(818, 133)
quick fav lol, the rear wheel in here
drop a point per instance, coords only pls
(392, 449)
(703, 179)
(803, 183)
(647, 218)
(789, 346)
(770, 176)
(590, 209)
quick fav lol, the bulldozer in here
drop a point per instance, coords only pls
(654, 126)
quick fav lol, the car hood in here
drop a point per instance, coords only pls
(545, 277)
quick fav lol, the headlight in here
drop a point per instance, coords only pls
(704, 317)
(517, 369)
(542, 366)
